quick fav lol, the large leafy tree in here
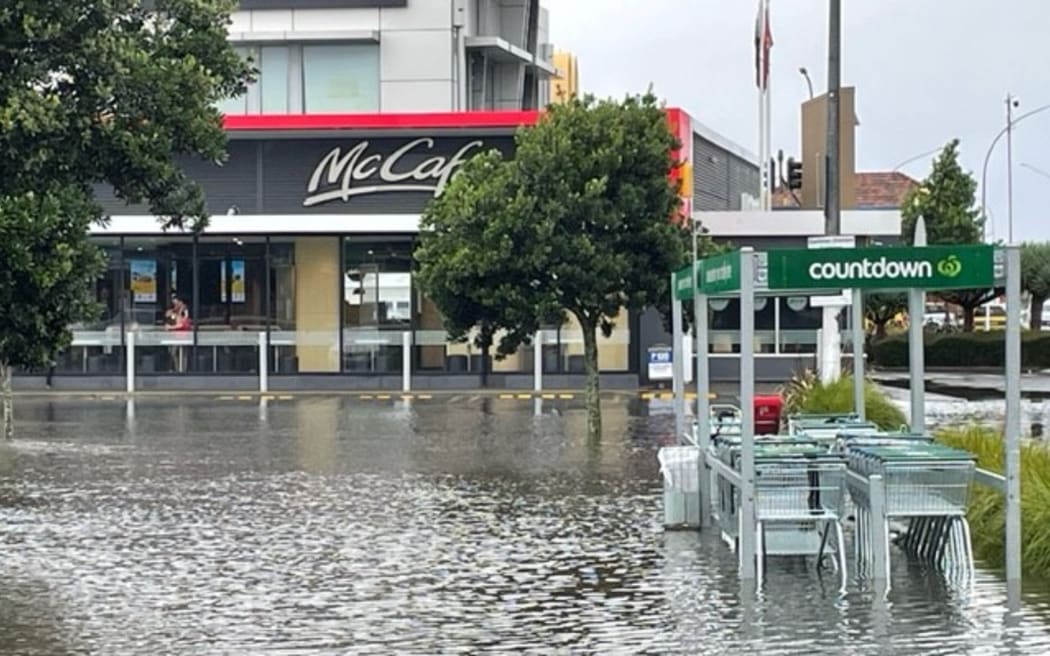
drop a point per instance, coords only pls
(97, 92)
(1035, 279)
(881, 308)
(579, 220)
(946, 199)
(598, 200)
(468, 265)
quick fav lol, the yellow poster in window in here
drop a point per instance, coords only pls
(144, 281)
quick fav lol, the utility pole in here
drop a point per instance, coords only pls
(1011, 103)
(832, 211)
(830, 358)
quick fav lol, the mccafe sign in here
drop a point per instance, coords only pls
(418, 165)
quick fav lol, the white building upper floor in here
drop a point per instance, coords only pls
(349, 56)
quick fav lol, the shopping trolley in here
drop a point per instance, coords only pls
(926, 485)
(799, 499)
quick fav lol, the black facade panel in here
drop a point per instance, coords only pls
(386, 175)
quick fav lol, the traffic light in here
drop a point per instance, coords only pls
(794, 174)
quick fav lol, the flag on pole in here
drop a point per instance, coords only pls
(763, 44)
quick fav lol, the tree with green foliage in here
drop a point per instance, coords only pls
(469, 267)
(881, 307)
(946, 199)
(96, 93)
(585, 224)
(1035, 279)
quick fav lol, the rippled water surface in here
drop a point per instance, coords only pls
(333, 525)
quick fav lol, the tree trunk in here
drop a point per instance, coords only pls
(590, 361)
(7, 423)
(1035, 313)
(880, 328)
(486, 348)
(968, 319)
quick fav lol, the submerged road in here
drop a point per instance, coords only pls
(323, 525)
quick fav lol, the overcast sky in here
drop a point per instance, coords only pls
(926, 71)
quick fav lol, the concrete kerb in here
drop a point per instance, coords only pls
(377, 394)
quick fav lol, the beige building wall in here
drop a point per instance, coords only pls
(566, 84)
(317, 277)
(814, 149)
(613, 351)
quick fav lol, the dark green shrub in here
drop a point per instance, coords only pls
(981, 349)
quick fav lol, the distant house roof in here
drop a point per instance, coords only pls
(876, 190)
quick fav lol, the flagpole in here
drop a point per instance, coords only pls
(769, 111)
(761, 81)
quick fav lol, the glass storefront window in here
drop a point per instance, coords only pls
(231, 310)
(724, 325)
(341, 78)
(159, 304)
(799, 323)
(96, 347)
(377, 303)
(283, 358)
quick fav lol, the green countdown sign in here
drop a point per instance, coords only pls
(929, 267)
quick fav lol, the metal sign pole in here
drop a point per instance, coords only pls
(916, 362)
(1013, 414)
(677, 364)
(703, 408)
(747, 407)
(857, 321)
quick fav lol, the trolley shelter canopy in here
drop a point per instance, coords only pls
(816, 270)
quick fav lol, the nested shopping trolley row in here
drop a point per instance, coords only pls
(824, 469)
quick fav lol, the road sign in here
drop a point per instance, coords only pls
(832, 241)
(684, 287)
(930, 267)
(720, 274)
(661, 361)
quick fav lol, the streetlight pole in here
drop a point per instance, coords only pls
(988, 156)
(809, 83)
(1011, 103)
(917, 157)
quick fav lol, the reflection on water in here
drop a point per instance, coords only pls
(328, 525)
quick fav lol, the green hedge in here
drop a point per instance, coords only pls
(986, 510)
(980, 349)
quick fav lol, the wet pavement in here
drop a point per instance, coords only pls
(331, 526)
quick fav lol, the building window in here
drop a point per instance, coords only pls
(274, 71)
(237, 104)
(377, 303)
(799, 322)
(97, 343)
(725, 325)
(156, 272)
(340, 78)
(298, 78)
(231, 310)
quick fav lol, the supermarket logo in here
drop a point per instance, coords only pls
(949, 267)
(882, 269)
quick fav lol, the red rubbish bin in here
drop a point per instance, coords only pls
(767, 414)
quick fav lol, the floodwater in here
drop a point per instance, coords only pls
(341, 526)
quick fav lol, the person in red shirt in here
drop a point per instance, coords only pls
(177, 319)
